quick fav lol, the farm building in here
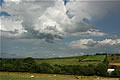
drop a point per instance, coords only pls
(110, 70)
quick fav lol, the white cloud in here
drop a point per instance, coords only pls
(52, 20)
(91, 10)
(90, 43)
(83, 43)
(109, 42)
(10, 27)
(14, 1)
(90, 33)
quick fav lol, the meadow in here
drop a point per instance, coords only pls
(79, 60)
(98, 58)
(26, 76)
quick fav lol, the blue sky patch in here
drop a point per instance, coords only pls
(4, 14)
(1, 1)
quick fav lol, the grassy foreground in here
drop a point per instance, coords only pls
(26, 76)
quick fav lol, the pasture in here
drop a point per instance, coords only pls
(26, 76)
(80, 60)
(98, 58)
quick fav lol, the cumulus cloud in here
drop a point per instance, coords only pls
(10, 27)
(83, 43)
(50, 20)
(90, 9)
(109, 42)
(90, 33)
(90, 43)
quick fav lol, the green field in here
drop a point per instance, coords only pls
(81, 60)
(26, 76)
(99, 58)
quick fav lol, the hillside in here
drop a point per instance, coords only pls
(79, 60)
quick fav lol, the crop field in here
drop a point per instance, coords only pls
(114, 58)
(81, 60)
(26, 76)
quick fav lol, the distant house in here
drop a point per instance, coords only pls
(110, 70)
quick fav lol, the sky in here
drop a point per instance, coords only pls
(58, 28)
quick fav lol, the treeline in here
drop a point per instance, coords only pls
(29, 65)
(115, 54)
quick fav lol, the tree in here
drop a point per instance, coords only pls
(101, 69)
(106, 62)
(29, 60)
(45, 68)
(8, 67)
